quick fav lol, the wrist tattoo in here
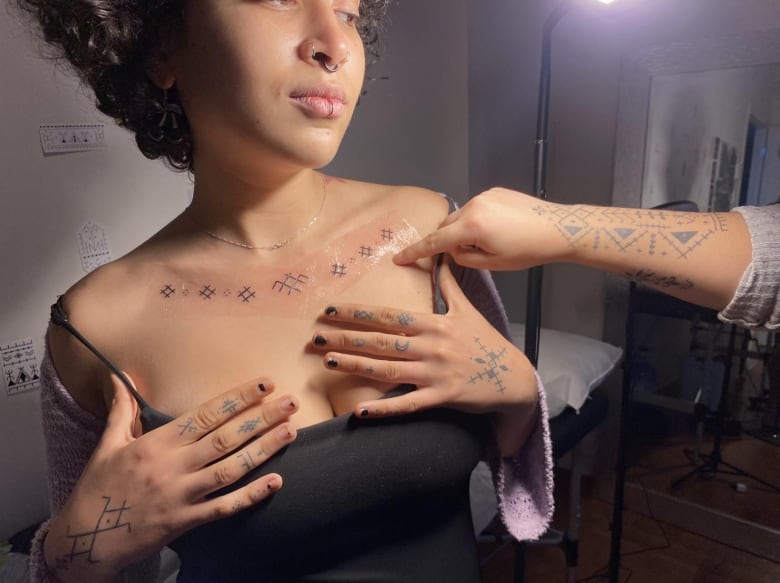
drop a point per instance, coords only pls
(84, 544)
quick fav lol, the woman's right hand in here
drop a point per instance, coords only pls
(137, 494)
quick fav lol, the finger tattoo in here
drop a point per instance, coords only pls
(402, 346)
(405, 319)
(250, 425)
(246, 460)
(188, 427)
(364, 315)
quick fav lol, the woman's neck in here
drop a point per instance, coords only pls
(259, 211)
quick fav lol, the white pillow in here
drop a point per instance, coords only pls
(570, 365)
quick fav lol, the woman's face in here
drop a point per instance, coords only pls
(251, 86)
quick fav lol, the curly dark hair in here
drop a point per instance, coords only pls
(111, 45)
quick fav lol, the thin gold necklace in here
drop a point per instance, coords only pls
(283, 242)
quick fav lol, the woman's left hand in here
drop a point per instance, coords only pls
(456, 360)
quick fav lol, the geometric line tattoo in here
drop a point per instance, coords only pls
(207, 292)
(493, 369)
(247, 294)
(291, 284)
(84, 542)
(188, 427)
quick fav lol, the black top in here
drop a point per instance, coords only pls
(364, 501)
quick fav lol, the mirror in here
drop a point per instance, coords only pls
(712, 138)
(676, 100)
(697, 121)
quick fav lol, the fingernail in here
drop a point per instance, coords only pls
(274, 484)
(364, 412)
(333, 363)
(261, 388)
(331, 311)
(320, 340)
(284, 433)
(289, 405)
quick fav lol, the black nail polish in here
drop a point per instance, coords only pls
(333, 363)
(320, 340)
(364, 412)
(261, 388)
(331, 311)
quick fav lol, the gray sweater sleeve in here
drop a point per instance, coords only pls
(757, 300)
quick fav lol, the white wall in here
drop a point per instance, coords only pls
(410, 129)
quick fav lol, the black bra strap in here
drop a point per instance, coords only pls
(60, 318)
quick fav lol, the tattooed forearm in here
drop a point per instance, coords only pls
(662, 281)
(640, 231)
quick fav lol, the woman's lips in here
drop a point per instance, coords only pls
(320, 103)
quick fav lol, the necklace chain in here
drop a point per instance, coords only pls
(283, 242)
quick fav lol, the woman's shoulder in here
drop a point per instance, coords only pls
(422, 208)
(99, 305)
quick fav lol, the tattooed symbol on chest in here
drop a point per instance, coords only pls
(247, 294)
(492, 368)
(344, 262)
(290, 284)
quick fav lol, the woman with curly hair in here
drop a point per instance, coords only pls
(396, 380)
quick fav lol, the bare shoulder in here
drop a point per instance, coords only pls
(422, 208)
(98, 306)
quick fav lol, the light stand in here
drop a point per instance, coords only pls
(534, 294)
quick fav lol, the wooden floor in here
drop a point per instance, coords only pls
(654, 551)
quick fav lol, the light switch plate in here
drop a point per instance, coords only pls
(57, 138)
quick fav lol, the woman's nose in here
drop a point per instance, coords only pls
(328, 44)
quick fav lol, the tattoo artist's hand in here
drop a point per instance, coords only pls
(136, 494)
(499, 229)
(457, 360)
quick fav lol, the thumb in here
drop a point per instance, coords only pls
(122, 422)
(451, 292)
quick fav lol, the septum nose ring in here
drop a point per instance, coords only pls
(323, 59)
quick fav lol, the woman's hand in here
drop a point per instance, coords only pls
(456, 360)
(136, 494)
(499, 229)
